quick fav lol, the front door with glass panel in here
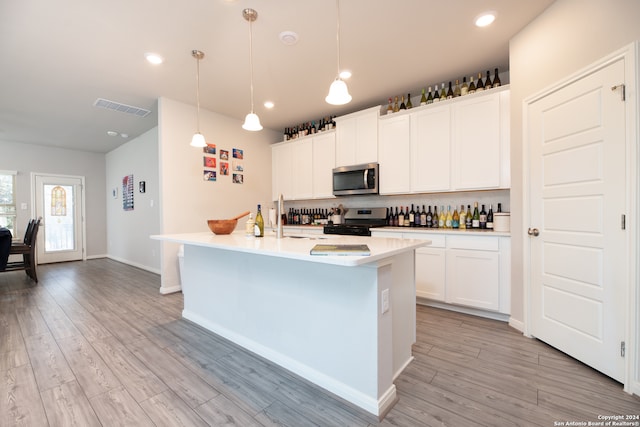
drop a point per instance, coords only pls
(58, 200)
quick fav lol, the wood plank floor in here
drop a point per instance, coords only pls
(94, 343)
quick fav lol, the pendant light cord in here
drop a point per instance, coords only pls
(198, 93)
(338, 34)
(251, 58)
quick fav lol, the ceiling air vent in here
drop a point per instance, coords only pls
(123, 108)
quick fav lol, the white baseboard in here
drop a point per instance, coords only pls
(466, 310)
(516, 324)
(134, 264)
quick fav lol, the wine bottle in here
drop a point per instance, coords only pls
(406, 217)
(479, 85)
(490, 218)
(469, 218)
(430, 97)
(412, 217)
(402, 106)
(442, 219)
(409, 104)
(390, 106)
(457, 91)
(259, 224)
(463, 218)
(449, 91)
(417, 219)
(475, 221)
(434, 219)
(499, 208)
(487, 81)
(464, 89)
(455, 219)
(443, 93)
(395, 106)
(423, 217)
(423, 98)
(401, 217)
(448, 220)
(472, 85)
(496, 79)
(483, 218)
(429, 218)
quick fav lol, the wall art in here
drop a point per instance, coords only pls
(127, 193)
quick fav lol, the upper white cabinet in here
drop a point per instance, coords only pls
(357, 137)
(302, 168)
(324, 160)
(456, 145)
(480, 142)
(395, 155)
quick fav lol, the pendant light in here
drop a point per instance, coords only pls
(338, 91)
(251, 121)
(198, 138)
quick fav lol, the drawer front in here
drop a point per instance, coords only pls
(478, 243)
(437, 240)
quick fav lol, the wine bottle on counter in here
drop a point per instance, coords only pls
(442, 219)
(449, 91)
(469, 219)
(448, 219)
(259, 224)
(455, 219)
(483, 218)
(406, 217)
(443, 93)
(429, 218)
(409, 104)
(390, 106)
(462, 221)
(487, 82)
(434, 219)
(499, 208)
(475, 221)
(402, 106)
(430, 97)
(416, 220)
(423, 217)
(496, 79)
(396, 108)
(490, 218)
(457, 91)
(401, 217)
(412, 217)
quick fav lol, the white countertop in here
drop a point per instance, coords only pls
(297, 247)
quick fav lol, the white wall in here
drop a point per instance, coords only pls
(187, 200)
(128, 231)
(27, 158)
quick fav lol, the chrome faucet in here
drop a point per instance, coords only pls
(279, 228)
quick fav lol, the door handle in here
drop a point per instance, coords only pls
(533, 232)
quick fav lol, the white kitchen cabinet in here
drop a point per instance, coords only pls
(480, 142)
(473, 278)
(357, 137)
(302, 166)
(394, 154)
(430, 149)
(281, 170)
(430, 266)
(324, 160)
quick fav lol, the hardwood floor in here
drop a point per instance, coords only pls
(94, 343)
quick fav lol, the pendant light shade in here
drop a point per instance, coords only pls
(251, 121)
(338, 91)
(198, 138)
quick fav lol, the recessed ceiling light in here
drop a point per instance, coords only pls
(124, 135)
(269, 104)
(485, 19)
(345, 74)
(112, 133)
(288, 37)
(153, 58)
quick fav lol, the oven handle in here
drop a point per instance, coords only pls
(366, 175)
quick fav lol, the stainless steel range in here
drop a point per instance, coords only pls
(359, 221)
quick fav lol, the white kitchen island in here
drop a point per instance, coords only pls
(345, 323)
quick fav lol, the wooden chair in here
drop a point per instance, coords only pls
(28, 251)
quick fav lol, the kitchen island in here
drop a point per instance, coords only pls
(345, 323)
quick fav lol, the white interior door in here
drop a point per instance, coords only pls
(59, 201)
(578, 265)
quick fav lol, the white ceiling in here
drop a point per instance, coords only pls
(58, 57)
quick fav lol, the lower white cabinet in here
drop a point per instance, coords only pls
(470, 270)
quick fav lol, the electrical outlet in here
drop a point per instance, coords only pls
(385, 300)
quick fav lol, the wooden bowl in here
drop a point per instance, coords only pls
(224, 226)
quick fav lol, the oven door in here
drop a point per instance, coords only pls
(358, 179)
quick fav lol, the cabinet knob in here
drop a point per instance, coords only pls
(533, 232)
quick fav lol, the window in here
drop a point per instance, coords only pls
(8, 200)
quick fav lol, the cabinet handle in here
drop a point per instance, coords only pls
(533, 232)
(366, 175)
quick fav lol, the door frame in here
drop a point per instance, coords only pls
(82, 207)
(630, 56)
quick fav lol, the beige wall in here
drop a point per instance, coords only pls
(187, 200)
(568, 36)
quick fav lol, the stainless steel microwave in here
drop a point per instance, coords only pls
(358, 179)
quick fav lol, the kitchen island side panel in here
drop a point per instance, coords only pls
(323, 322)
